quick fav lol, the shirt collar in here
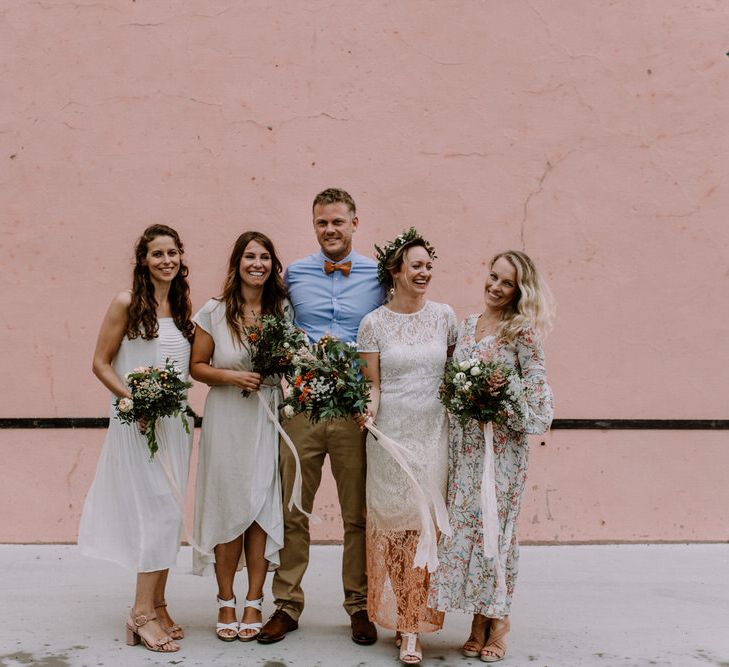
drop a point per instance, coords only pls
(348, 258)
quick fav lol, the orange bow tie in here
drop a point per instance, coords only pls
(344, 267)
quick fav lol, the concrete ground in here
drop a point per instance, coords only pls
(607, 605)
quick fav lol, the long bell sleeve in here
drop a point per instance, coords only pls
(538, 402)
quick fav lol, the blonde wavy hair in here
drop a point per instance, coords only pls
(533, 305)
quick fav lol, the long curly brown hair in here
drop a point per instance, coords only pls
(143, 309)
(274, 290)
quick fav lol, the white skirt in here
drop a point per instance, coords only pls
(131, 516)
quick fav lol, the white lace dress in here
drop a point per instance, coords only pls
(412, 353)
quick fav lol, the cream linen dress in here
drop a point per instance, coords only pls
(237, 475)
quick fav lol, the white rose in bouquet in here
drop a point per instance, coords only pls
(125, 405)
(288, 411)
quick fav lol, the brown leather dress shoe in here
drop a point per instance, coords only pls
(276, 627)
(363, 630)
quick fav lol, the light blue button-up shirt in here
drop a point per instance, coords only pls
(332, 303)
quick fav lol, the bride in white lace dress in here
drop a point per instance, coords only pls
(405, 344)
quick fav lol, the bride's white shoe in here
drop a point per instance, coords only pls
(409, 653)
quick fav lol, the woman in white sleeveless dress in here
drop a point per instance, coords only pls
(238, 509)
(130, 515)
(405, 344)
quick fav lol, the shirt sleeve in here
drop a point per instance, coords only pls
(461, 331)
(288, 311)
(366, 339)
(203, 317)
(538, 402)
(453, 328)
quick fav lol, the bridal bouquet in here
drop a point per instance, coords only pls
(487, 391)
(326, 382)
(272, 343)
(156, 392)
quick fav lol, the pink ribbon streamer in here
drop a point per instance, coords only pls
(426, 553)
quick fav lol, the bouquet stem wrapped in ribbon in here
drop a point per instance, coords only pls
(490, 393)
(326, 382)
(426, 551)
(487, 391)
(273, 343)
(156, 392)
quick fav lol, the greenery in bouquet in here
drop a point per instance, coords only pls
(326, 382)
(156, 392)
(272, 343)
(482, 390)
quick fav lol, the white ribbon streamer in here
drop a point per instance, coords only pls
(295, 500)
(490, 514)
(426, 553)
(161, 456)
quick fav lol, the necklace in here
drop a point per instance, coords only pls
(251, 314)
(485, 327)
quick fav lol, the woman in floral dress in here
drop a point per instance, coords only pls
(517, 314)
(405, 344)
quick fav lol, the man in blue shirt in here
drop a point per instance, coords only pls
(331, 291)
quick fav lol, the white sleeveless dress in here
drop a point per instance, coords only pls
(130, 515)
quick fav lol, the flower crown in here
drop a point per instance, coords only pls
(389, 249)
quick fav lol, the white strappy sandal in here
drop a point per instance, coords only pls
(256, 604)
(232, 627)
(409, 655)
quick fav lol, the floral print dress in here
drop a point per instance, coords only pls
(466, 579)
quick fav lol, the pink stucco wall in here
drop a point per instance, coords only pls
(591, 134)
(583, 487)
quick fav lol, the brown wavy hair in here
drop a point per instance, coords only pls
(274, 290)
(143, 309)
(393, 264)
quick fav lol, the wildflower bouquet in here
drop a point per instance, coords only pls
(487, 391)
(327, 382)
(156, 392)
(272, 343)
